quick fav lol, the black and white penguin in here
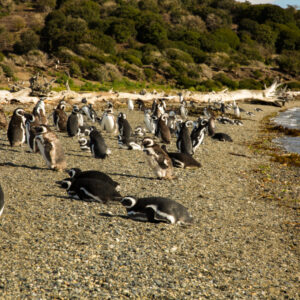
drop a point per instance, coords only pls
(98, 146)
(73, 122)
(84, 144)
(1, 201)
(162, 129)
(108, 122)
(158, 159)
(150, 121)
(141, 105)
(184, 141)
(76, 173)
(60, 117)
(156, 209)
(124, 126)
(182, 160)
(16, 132)
(30, 127)
(130, 104)
(198, 133)
(39, 112)
(93, 190)
(50, 148)
(128, 143)
(89, 112)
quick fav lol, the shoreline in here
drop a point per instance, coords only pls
(243, 242)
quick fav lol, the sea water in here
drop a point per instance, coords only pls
(289, 119)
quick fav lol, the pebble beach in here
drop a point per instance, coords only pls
(242, 244)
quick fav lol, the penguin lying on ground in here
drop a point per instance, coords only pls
(182, 160)
(92, 190)
(156, 209)
(76, 173)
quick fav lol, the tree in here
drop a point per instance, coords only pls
(29, 40)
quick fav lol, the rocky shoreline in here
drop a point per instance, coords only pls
(243, 243)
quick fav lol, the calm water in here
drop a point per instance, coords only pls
(289, 119)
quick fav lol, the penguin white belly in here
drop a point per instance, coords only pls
(160, 215)
(1, 210)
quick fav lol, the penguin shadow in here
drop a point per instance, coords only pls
(133, 176)
(10, 164)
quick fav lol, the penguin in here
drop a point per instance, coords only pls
(3, 120)
(73, 122)
(60, 117)
(97, 145)
(158, 159)
(130, 104)
(198, 133)
(50, 148)
(89, 112)
(30, 128)
(108, 122)
(150, 122)
(92, 190)
(162, 129)
(16, 133)
(1, 201)
(84, 130)
(156, 209)
(236, 110)
(76, 173)
(128, 143)
(211, 125)
(124, 126)
(39, 112)
(84, 144)
(182, 160)
(184, 141)
(141, 105)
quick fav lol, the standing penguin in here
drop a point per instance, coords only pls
(156, 209)
(60, 117)
(1, 201)
(30, 128)
(184, 141)
(97, 145)
(108, 122)
(50, 148)
(124, 126)
(158, 159)
(130, 104)
(16, 128)
(162, 129)
(39, 112)
(73, 122)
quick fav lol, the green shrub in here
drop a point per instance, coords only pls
(250, 84)
(176, 54)
(225, 80)
(7, 70)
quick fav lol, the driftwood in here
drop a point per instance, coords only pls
(269, 95)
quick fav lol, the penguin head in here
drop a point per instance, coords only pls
(19, 112)
(147, 142)
(128, 201)
(73, 171)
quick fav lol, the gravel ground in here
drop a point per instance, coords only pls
(242, 244)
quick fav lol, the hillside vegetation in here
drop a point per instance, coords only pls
(200, 45)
